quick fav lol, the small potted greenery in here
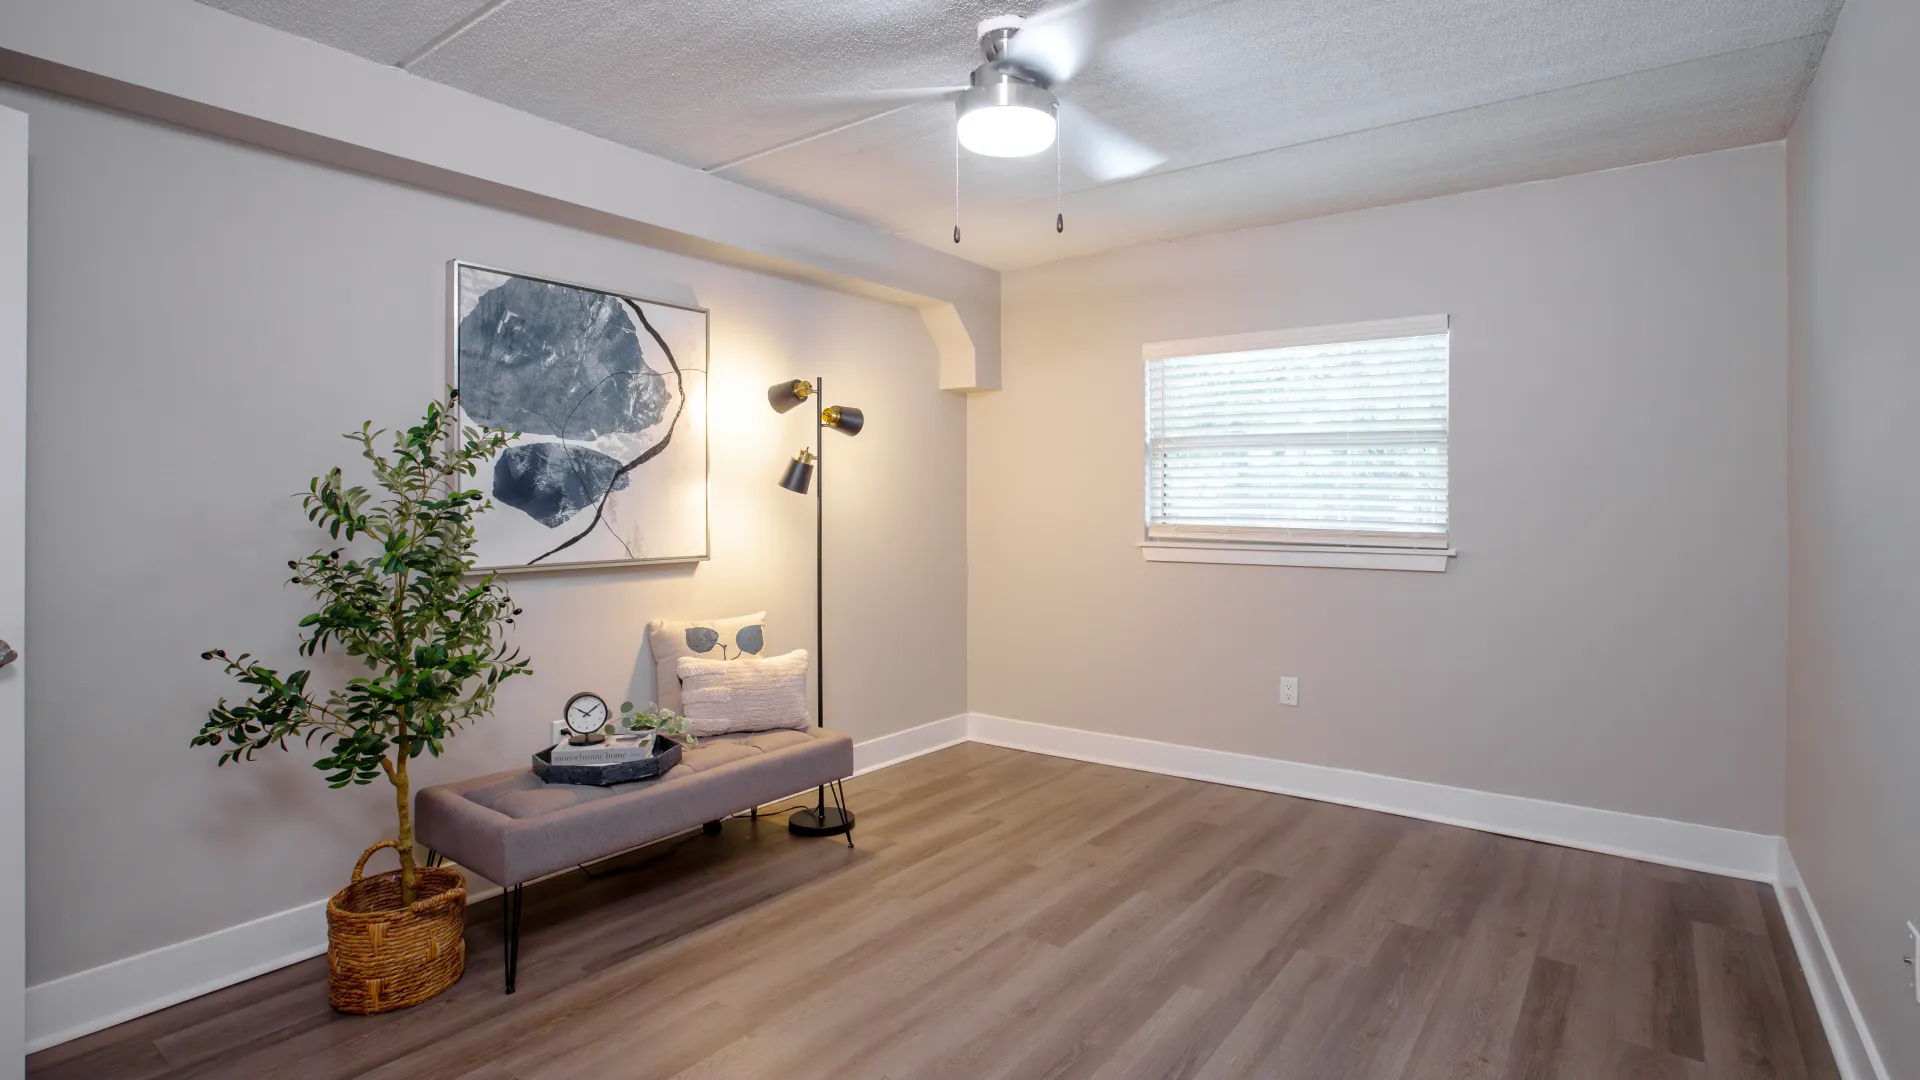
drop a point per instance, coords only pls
(657, 720)
(401, 597)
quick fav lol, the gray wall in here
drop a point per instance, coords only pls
(1853, 746)
(1613, 631)
(205, 320)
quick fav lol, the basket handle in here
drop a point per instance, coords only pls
(368, 854)
(427, 905)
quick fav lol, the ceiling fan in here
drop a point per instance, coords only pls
(1010, 106)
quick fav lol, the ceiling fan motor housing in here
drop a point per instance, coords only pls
(996, 32)
(1003, 84)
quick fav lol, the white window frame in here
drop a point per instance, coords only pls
(1294, 547)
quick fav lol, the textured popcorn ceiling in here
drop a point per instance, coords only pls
(1268, 110)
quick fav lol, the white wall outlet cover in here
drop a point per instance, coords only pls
(1289, 690)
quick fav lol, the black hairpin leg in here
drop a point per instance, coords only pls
(510, 927)
(434, 858)
(840, 800)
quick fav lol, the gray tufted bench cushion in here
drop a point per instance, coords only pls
(512, 827)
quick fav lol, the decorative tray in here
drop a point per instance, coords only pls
(666, 754)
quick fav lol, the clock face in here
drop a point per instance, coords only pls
(586, 714)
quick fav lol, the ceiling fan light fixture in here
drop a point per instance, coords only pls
(1006, 131)
(1006, 118)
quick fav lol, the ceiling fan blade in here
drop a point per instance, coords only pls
(1098, 150)
(1058, 42)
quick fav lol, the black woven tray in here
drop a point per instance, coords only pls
(666, 754)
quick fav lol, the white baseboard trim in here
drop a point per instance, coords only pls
(1853, 1046)
(911, 743)
(88, 1001)
(1657, 840)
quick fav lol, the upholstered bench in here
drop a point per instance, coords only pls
(513, 827)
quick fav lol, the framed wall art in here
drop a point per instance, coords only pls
(609, 393)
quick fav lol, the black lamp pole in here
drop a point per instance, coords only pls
(815, 822)
(805, 470)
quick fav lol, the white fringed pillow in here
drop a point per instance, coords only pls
(747, 693)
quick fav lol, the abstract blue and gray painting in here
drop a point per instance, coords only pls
(570, 364)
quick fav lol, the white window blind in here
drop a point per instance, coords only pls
(1328, 436)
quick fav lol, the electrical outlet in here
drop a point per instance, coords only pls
(1913, 960)
(1289, 690)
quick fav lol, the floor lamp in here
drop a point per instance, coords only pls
(822, 820)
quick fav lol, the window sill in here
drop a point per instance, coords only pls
(1430, 560)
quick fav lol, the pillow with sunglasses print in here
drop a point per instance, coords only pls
(708, 639)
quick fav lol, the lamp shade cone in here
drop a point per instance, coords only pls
(783, 396)
(799, 476)
(844, 418)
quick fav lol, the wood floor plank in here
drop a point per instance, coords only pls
(865, 985)
(265, 1022)
(1632, 1062)
(1303, 910)
(1485, 989)
(1042, 834)
(1746, 1023)
(1084, 1034)
(1725, 902)
(1017, 1006)
(1296, 1001)
(800, 1041)
(1539, 1038)
(1581, 931)
(1157, 1048)
(1585, 917)
(1101, 884)
(1355, 932)
(1383, 1009)
(1014, 916)
(1657, 997)
(1471, 877)
(125, 1059)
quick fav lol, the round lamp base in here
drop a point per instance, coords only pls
(829, 822)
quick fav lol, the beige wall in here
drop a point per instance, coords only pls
(1853, 745)
(205, 320)
(1613, 631)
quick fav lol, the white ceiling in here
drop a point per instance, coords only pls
(1268, 110)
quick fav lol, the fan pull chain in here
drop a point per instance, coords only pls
(1059, 200)
(956, 187)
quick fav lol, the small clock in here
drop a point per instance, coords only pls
(586, 717)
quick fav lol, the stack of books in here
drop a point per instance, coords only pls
(614, 749)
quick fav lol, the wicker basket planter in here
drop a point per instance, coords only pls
(384, 955)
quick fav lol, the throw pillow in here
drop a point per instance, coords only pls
(718, 639)
(747, 694)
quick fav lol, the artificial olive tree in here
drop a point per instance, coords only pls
(430, 632)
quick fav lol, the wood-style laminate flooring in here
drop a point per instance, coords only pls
(1008, 915)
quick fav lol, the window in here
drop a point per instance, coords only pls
(1317, 442)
